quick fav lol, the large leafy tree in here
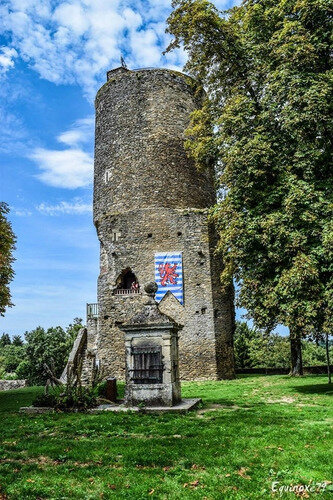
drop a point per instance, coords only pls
(7, 246)
(266, 68)
(51, 346)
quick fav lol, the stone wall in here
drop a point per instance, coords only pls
(140, 161)
(205, 343)
(149, 197)
(8, 385)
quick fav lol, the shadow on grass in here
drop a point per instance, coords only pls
(314, 389)
(11, 401)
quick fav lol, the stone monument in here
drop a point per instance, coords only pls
(152, 367)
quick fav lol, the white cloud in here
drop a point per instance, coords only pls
(81, 132)
(69, 168)
(21, 212)
(7, 56)
(77, 41)
(75, 207)
(72, 167)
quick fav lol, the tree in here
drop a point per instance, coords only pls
(23, 370)
(50, 347)
(256, 349)
(7, 246)
(10, 357)
(242, 338)
(267, 124)
(5, 340)
(73, 329)
(17, 340)
(45, 346)
(328, 359)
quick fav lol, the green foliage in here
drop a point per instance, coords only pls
(26, 360)
(7, 247)
(101, 389)
(255, 349)
(11, 356)
(50, 346)
(23, 370)
(68, 398)
(78, 398)
(45, 346)
(242, 340)
(17, 340)
(4, 340)
(315, 354)
(270, 351)
(46, 400)
(7, 375)
(268, 73)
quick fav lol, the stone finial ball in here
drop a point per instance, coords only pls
(151, 288)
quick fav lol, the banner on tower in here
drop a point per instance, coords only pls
(169, 275)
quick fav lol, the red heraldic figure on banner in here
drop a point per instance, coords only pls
(169, 275)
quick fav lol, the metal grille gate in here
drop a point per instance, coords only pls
(148, 367)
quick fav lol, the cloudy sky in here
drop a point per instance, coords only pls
(53, 58)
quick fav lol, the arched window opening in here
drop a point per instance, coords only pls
(127, 283)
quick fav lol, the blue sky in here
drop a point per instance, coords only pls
(53, 58)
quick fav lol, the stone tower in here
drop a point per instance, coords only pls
(149, 198)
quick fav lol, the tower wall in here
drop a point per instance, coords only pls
(141, 117)
(149, 198)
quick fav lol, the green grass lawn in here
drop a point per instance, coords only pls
(250, 432)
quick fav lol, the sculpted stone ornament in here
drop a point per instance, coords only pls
(151, 289)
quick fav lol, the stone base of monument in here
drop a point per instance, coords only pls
(36, 409)
(183, 406)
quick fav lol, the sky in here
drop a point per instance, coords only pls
(53, 58)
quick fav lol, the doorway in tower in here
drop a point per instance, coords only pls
(127, 283)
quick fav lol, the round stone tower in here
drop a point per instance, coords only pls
(150, 199)
(140, 160)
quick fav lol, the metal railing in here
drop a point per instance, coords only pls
(92, 311)
(125, 291)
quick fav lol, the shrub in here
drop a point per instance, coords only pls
(45, 400)
(101, 389)
(78, 398)
(65, 399)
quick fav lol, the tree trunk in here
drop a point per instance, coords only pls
(296, 354)
(328, 360)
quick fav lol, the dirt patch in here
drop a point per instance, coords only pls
(284, 400)
(216, 406)
(42, 460)
(38, 460)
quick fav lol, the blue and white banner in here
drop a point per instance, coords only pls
(169, 275)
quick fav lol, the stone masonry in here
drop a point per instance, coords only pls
(149, 197)
(9, 385)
